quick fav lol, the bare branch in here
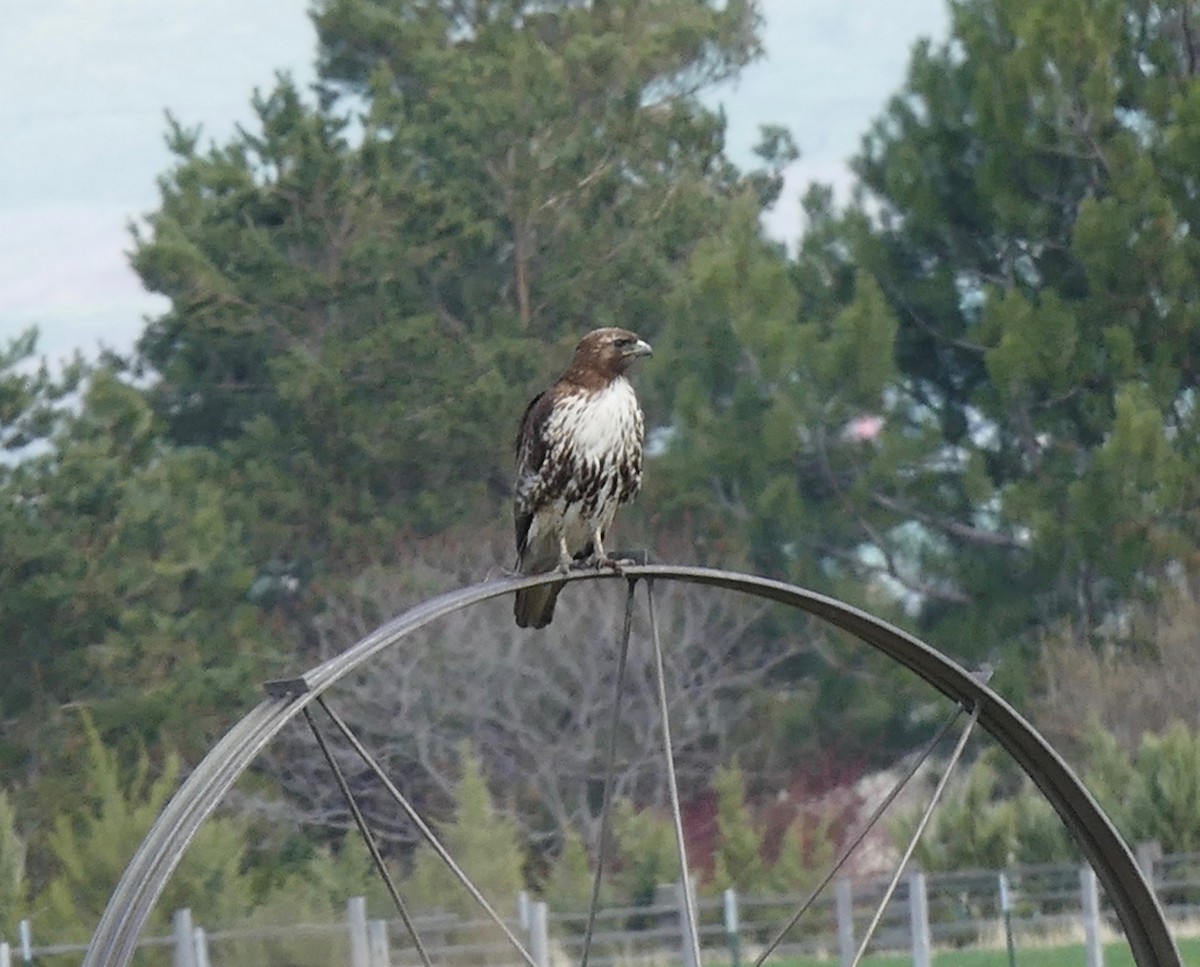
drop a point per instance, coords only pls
(536, 706)
(955, 528)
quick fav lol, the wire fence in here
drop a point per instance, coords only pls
(970, 908)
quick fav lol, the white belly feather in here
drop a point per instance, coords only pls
(596, 435)
(601, 426)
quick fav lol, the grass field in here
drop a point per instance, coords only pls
(1115, 955)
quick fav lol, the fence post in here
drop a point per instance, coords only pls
(185, 941)
(356, 922)
(1091, 916)
(523, 910)
(732, 937)
(844, 905)
(377, 940)
(5, 954)
(1006, 913)
(1147, 854)
(918, 915)
(201, 947)
(26, 931)
(539, 933)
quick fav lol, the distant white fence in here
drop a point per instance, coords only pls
(930, 911)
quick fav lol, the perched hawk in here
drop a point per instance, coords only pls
(579, 456)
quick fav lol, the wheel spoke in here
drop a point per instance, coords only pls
(685, 876)
(426, 832)
(870, 824)
(131, 905)
(609, 770)
(917, 834)
(361, 822)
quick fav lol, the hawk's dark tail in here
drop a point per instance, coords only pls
(534, 607)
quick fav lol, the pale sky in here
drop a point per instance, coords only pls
(84, 85)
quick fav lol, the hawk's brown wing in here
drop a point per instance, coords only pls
(532, 448)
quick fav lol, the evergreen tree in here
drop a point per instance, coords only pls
(1032, 241)
(991, 818)
(360, 308)
(484, 843)
(738, 858)
(648, 854)
(568, 887)
(14, 881)
(126, 580)
(33, 400)
(91, 846)
(220, 877)
(806, 851)
(971, 390)
(973, 828)
(1153, 794)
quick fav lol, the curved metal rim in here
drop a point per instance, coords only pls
(144, 879)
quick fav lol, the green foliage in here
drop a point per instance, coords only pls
(32, 399)
(124, 578)
(14, 882)
(91, 846)
(1029, 242)
(356, 318)
(972, 389)
(761, 400)
(568, 887)
(992, 821)
(315, 892)
(786, 447)
(737, 860)
(1153, 794)
(808, 849)
(988, 820)
(483, 842)
(648, 855)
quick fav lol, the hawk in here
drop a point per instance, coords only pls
(579, 457)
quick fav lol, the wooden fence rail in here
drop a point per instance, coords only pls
(930, 911)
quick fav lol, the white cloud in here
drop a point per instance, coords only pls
(84, 140)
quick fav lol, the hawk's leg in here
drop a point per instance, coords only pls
(564, 555)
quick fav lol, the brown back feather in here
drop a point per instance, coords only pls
(531, 454)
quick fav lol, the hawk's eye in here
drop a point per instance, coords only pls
(624, 342)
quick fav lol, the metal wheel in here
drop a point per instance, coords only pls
(129, 908)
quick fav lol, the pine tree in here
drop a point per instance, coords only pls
(738, 858)
(992, 818)
(92, 846)
(568, 887)
(1167, 800)
(357, 318)
(484, 843)
(14, 882)
(129, 580)
(1031, 242)
(931, 402)
(647, 853)
(806, 852)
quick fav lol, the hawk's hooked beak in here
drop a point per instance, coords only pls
(640, 348)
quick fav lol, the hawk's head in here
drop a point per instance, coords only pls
(609, 352)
